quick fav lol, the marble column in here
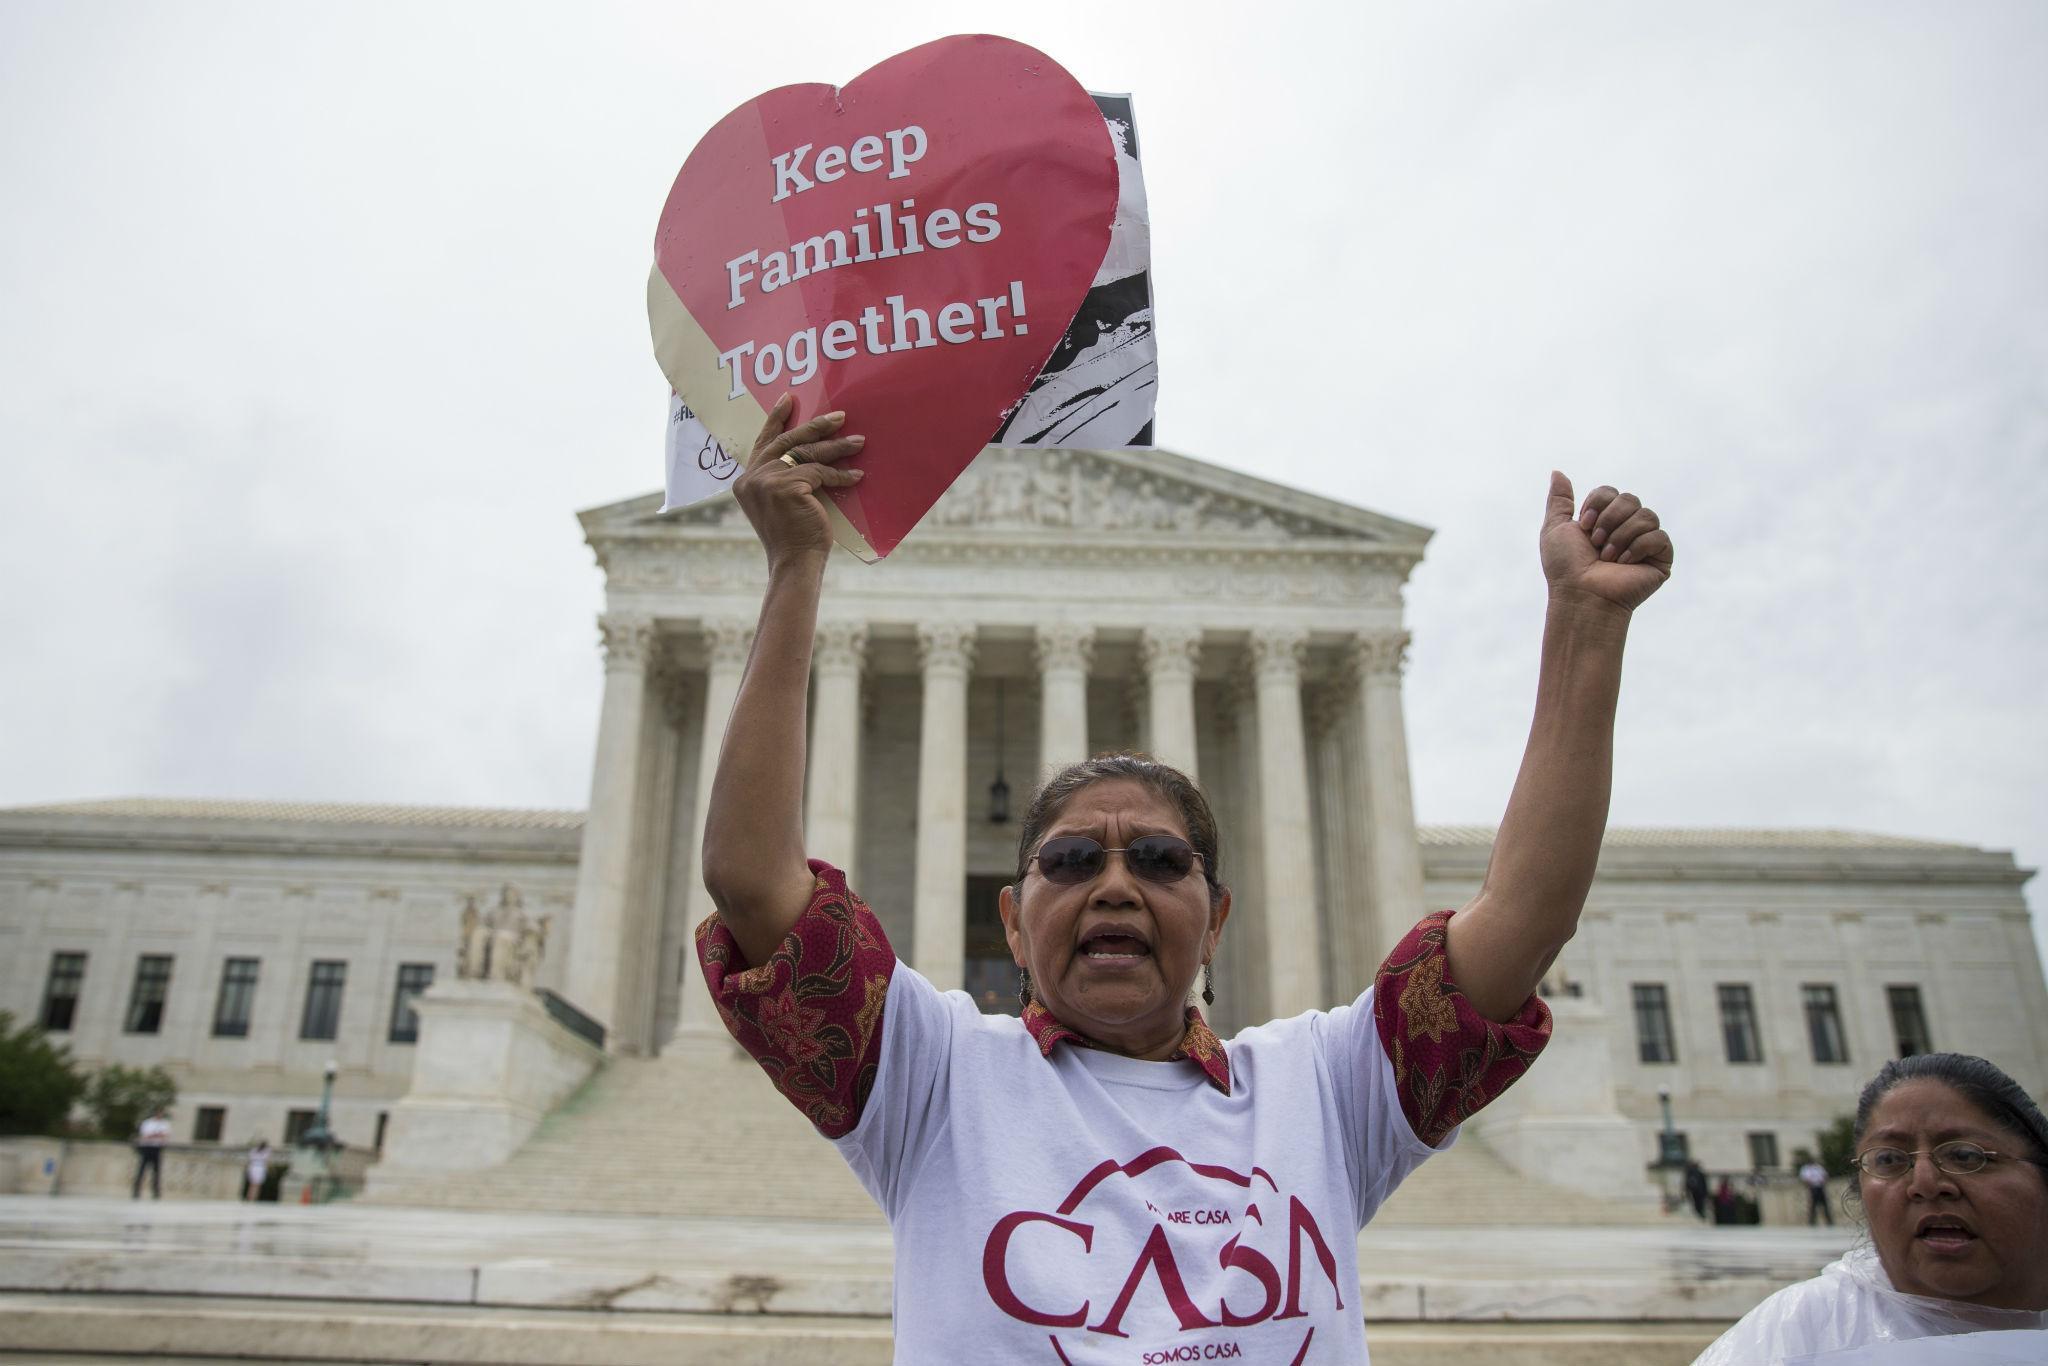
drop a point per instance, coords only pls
(604, 872)
(832, 787)
(1064, 652)
(726, 643)
(1293, 954)
(939, 930)
(1343, 920)
(1393, 856)
(1171, 655)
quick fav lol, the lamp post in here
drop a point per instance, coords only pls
(317, 1146)
(999, 791)
(1670, 1145)
(1670, 1152)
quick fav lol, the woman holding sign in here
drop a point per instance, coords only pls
(1104, 1179)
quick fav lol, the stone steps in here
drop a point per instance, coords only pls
(646, 1136)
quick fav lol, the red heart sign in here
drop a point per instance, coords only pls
(909, 247)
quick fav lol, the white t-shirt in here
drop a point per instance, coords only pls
(1085, 1207)
(154, 1132)
(1852, 1304)
(1814, 1175)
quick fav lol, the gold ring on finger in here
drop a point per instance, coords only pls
(792, 459)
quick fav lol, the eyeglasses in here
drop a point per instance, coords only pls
(1958, 1158)
(1073, 859)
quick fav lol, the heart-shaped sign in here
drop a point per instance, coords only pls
(908, 248)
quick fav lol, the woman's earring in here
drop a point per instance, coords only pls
(1024, 987)
(1208, 986)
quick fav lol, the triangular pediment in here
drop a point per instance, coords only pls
(1084, 493)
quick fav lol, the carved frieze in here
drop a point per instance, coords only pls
(1039, 489)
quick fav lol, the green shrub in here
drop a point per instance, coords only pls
(120, 1096)
(38, 1084)
(1838, 1146)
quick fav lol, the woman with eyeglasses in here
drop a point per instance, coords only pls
(1952, 1175)
(1103, 1179)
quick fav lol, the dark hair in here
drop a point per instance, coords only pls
(1166, 780)
(1978, 1081)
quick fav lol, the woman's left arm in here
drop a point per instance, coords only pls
(1601, 564)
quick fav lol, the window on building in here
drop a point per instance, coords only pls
(61, 992)
(413, 978)
(237, 996)
(208, 1123)
(1654, 1041)
(146, 1001)
(1763, 1152)
(323, 999)
(1909, 1021)
(1824, 1023)
(1738, 1023)
(296, 1122)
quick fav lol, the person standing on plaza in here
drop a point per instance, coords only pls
(1816, 1178)
(1696, 1186)
(149, 1153)
(258, 1168)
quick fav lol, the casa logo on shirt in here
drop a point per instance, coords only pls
(1185, 1261)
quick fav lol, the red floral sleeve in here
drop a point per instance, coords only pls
(1450, 1061)
(812, 1014)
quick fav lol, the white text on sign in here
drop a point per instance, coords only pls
(879, 232)
(894, 231)
(903, 329)
(906, 145)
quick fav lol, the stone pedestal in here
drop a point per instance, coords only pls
(491, 1062)
(1560, 1123)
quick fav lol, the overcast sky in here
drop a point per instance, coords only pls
(318, 323)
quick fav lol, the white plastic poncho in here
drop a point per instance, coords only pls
(1851, 1304)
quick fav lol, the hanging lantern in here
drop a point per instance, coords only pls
(999, 791)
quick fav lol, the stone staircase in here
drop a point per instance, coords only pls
(689, 1134)
(703, 1135)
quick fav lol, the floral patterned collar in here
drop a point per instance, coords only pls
(1199, 1045)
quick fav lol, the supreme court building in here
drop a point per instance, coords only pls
(1054, 604)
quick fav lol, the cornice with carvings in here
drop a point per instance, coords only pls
(1170, 574)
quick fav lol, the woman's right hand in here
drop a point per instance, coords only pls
(783, 501)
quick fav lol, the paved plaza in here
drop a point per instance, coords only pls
(350, 1282)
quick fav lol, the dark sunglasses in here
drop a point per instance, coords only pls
(1073, 859)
